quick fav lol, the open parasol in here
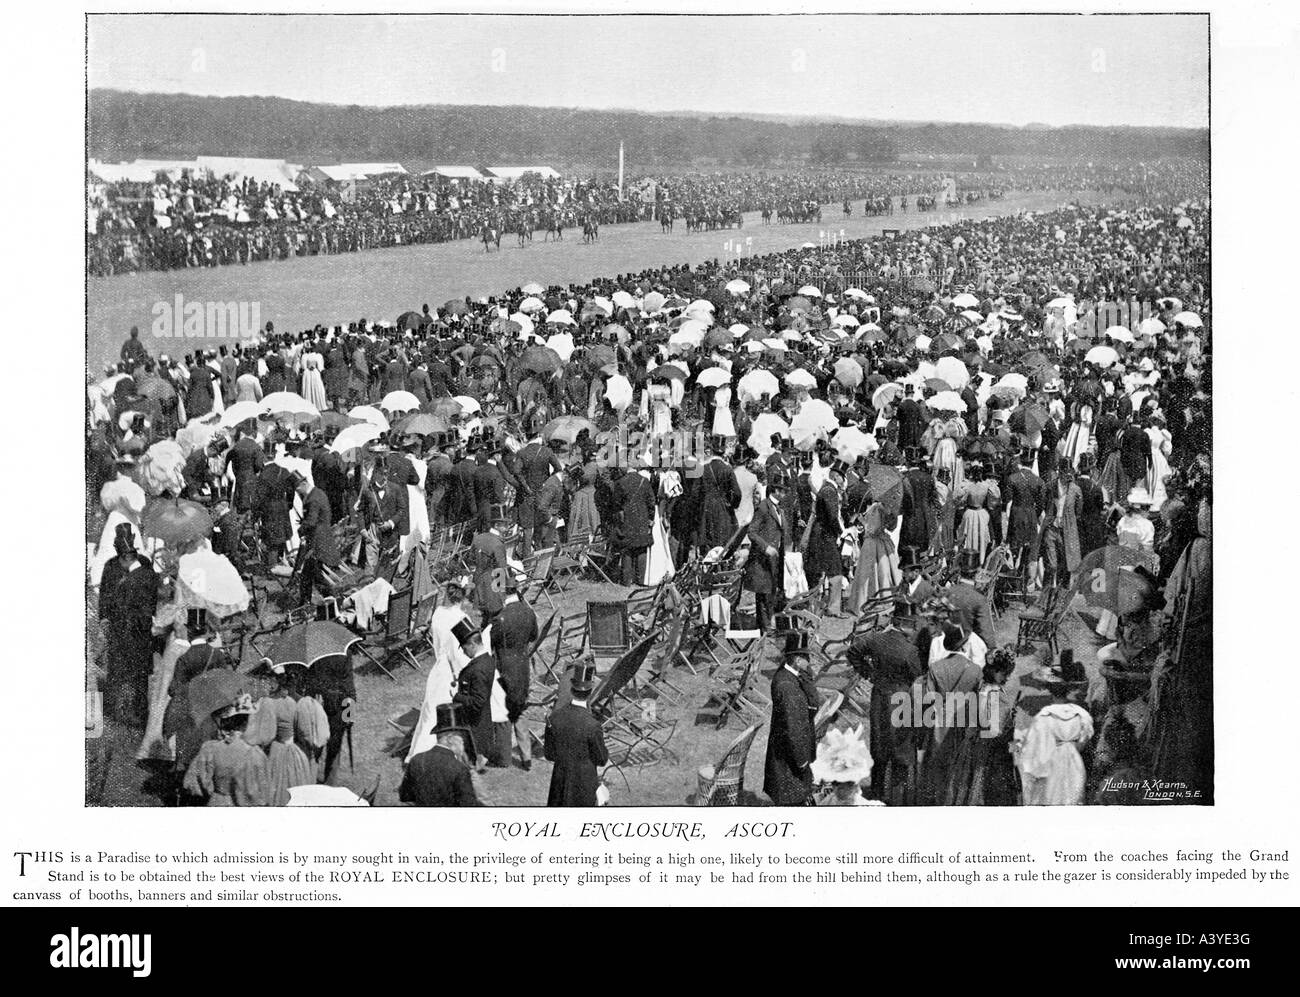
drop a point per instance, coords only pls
(1102, 356)
(212, 691)
(399, 401)
(850, 443)
(886, 486)
(308, 643)
(354, 437)
(175, 522)
(713, 377)
(207, 580)
(756, 384)
(540, 359)
(567, 428)
(848, 372)
(420, 424)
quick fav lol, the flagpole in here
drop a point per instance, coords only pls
(620, 171)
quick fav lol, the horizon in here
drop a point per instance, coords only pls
(1059, 70)
(667, 113)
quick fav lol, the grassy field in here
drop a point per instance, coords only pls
(381, 284)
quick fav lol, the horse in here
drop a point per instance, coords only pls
(555, 227)
(767, 214)
(665, 220)
(490, 234)
(522, 232)
(590, 231)
(848, 208)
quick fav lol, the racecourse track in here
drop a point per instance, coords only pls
(380, 284)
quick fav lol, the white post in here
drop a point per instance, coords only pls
(620, 171)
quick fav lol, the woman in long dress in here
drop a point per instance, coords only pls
(723, 424)
(313, 386)
(156, 746)
(1078, 438)
(1162, 445)
(877, 567)
(979, 501)
(228, 771)
(659, 563)
(1051, 767)
(941, 438)
(273, 728)
(584, 517)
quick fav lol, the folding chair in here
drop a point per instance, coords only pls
(1040, 624)
(986, 578)
(721, 785)
(639, 735)
(537, 582)
(397, 636)
(734, 689)
(825, 716)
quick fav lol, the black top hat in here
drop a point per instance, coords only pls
(907, 558)
(449, 722)
(125, 533)
(797, 644)
(583, 679)
(464, 632)
(196, 619)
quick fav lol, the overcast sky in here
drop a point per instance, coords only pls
(1127, 70)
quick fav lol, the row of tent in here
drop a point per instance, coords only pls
(293, 176)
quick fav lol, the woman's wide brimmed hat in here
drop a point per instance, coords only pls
(842, 756)
(1139, 496)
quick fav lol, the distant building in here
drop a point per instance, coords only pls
(271, 171)
(515, 172)
(360, 171)
(455, 173)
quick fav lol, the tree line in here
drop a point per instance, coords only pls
(124, 125)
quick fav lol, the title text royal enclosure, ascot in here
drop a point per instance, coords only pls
(912, 519)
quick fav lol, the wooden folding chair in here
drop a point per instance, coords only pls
(1040, 624)
(639, 736)
(397, 636)
(734, 689)
(538, 569)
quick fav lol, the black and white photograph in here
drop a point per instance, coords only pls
(648, 411)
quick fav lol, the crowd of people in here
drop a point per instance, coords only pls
(197, 220)
(852, 437)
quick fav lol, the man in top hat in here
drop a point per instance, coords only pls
(1026, 498)
(575, 743)
(440, 776)
(490, 481)
(1059, 540)
(461, 503)
(513, 633)
(791, 742)
(247, 459)
(537, 462)
(1092, 508)
(718, 498)
(385, 505)
(128, 597)
(318, 548)
(916, 588)
(478, 685)
(911, 417)
(889, 660)
(765, 569)
(822, 558)
(634, 499)
(920, 507)
(970, 609)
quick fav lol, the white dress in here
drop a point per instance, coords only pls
(1161, 446)
(723, 425)
(1078, 438)
(419, 506)
(1052, 769)
(313, 387)
(659, 562)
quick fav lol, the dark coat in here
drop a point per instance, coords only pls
(199, 397)
(474, 698)
(489, 490)
(823, 554)
(635, 498)
(1024, 493)
(1134, 453)
(247, 459)
(274, 498)
(912, 420)
(919, 509)
(764, 573)
(972, 610)
(461, 504)
(513, 633)
(791, 747)
(537, 462)
(719, 499)
(576, 744)
(490, 572)
(1092, 515)
(316, 528)
(437, 778)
